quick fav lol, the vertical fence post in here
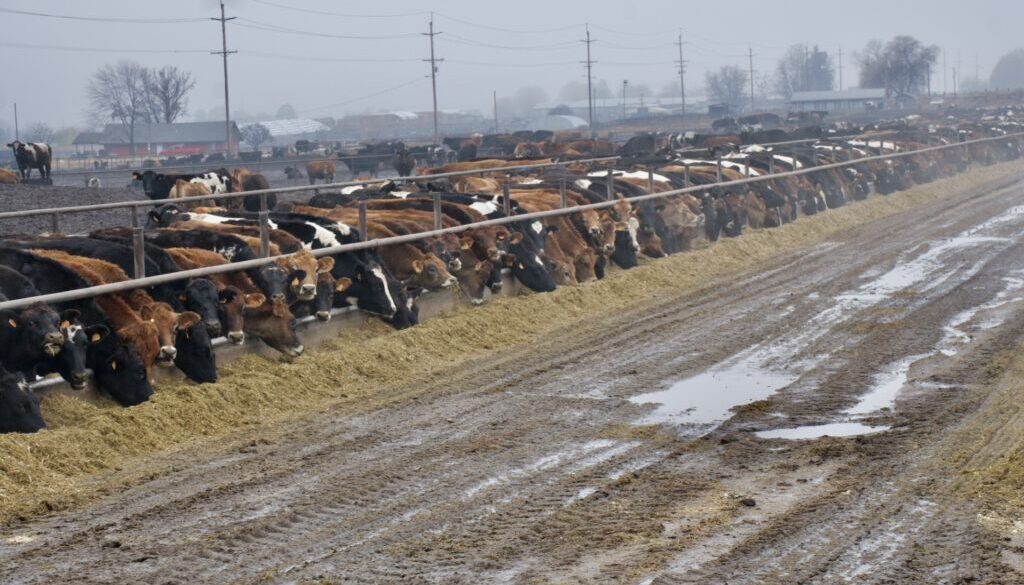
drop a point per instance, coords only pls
(55, 223)
(718, 169)
(138, 245)
(562, 203)
(506, 199)
(362, 220)
(437, 210)
(610, 186)
(264, 227)
(650, 180)
(686, 174)
(832, 153)
(771, 163)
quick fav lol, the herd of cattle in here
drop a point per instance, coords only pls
(122, 338)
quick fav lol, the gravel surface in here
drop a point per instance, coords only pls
(22, 197)
(583, 457)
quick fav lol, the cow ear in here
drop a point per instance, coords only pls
(417, 266)
(147, 312)
(342, 284)
(516, 238)
(465, 243)
(254, 300)
(70, 315)
(154, 216)
(325, 264)
(187, 319)
(96, 333)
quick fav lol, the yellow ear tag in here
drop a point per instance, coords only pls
(65, 324)
(96, 337)
(12, 323)
(113, 366)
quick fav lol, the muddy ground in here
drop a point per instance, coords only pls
(622, 432)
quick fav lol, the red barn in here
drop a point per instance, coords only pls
(165, 139)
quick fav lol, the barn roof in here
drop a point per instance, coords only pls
(291, 127)
(838, 96)
(178, 132)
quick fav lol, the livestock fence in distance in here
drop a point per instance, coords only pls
(138, 241)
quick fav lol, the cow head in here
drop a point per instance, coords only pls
(473, 277)
(40, 330)
(194, 356)
(232, 306)
(19, 407)
(201, 296)
(168, 323)
(326, 287)
(164, 215)
(302, 268)
(274, 324)
(70, 363)
(117, 367)
(273, 281)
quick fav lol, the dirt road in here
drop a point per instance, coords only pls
(651, 445)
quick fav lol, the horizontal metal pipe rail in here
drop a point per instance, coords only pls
(126, 285)
(279, 190)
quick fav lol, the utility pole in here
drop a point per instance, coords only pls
(495, 111)
(682, 77)
(954, 82)
(224, 52)
(589, 63)
(958, 73)
(16, 137)
(840, 68)
(977, 68)
(750, 51)
(945, 71)
(625, 84)
(433, 73)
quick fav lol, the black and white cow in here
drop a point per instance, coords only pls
(36, 155)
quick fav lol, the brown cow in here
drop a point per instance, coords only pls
(9, 177)
(320, 169)
(183, 188)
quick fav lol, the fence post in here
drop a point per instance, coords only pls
(437, 210)
(562, 203)
(138, 245)
(610, 186)
(506, 199)
(362, 220)
(650, 180)
(55, 223)
(771, 163)
(718, 169)
(686, 174)
(832, 153)
(264, 227)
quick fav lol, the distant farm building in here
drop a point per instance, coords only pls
(849, 100)
(159, 139)
(284, 132)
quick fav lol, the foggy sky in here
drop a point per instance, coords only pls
(49, 85)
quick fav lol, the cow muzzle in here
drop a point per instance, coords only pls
(52, 343)
(167, 354)
(307, 292)
(213, 328)
(494, 254)
(277, 297)
(79, 380)
(295, 351)
(236, 337)
(455, 264)
(596, 231)
(324, 316)
(450, 281)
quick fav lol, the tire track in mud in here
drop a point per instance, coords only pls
(524, 466)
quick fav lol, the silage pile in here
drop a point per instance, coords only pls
(71, 460)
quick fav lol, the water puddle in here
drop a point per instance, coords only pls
(842, 429)
(887, 386)
(709, 397)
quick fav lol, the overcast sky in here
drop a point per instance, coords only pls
(486, 46)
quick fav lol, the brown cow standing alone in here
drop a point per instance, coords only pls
(320, 169)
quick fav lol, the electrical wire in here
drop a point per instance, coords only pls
(364, 97)
(257, 25)
(264, 55)
(511, 30)
(489, 64)
(117, 19)
(98, 50)
(453, 38)
(340, 14)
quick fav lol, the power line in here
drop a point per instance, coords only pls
(509, 30)
(283, 57)
(340, 14)
(452, 38)
(114, 19)
(418, 79)
(97, 49)
(255, 24)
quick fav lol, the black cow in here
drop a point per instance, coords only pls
(118, 368)
(32, 156)
(157, 186)
(19, 407)
(404, 162)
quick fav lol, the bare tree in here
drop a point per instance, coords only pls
(900, 66)
(167, 93)
(256, 135)
(1009, 71)
(727, 85)
(118, 93)
(39, 132)
(804, 68)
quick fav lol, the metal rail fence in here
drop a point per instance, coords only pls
(146, 281)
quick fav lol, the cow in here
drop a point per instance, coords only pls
(19, 407)
(183, 188)
(320, 170)
(404, 162)
(37, 155)
(93, 183)
(9, 177)
(291, 173)
(243, 180)
(157, 186)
